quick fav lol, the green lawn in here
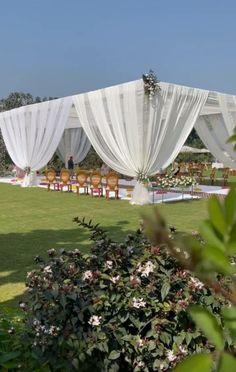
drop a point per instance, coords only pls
(34, 220)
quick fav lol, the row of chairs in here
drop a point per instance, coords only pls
(198, 170)
(83, 181)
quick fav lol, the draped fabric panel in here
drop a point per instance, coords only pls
(215, 130)
(32, 133)
(134, 134)
(74, 143)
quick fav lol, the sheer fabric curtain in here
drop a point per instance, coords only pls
(215, 130)
(32, 134)
(133, 134)
(74, 143)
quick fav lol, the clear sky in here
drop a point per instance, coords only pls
(62, 47)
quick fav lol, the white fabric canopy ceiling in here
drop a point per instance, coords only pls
(131, 133)
(135, 135)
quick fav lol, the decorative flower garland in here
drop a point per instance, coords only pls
(151, 84)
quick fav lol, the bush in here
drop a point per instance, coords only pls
(120, 308)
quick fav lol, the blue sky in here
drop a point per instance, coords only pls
(62, 47)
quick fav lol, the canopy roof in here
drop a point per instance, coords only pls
(132, 132)
(211, 106)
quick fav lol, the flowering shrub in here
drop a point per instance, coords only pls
(120, 308)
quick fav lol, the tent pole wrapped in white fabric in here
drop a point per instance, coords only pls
(32, 134)
(135, 135)
(74, 143)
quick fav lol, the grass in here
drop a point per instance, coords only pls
(33, 220)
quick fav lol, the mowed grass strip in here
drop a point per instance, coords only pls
(33, 220)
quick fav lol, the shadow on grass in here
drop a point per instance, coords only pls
(17, 251)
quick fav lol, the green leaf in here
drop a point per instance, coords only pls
(230, 206)
(229, 315)
(208, 324)
(218, 259)
(6, 357)
(114, 354)
(165, 290)
(210, 236)
(196, 363)
(227, 363)
(216, 215)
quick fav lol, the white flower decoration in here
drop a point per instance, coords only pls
(139, 303)
(95, 320)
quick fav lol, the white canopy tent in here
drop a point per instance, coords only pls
(134, 135)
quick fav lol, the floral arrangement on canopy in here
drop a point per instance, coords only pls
(143, 178)
(151, 84)
(168, 182)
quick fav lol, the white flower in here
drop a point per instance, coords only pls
(130, 250)
(183, 350)
(140, 364)
(87, 275)
(138, 303)
(115, 279)
(146, 269)
(195, 283)
(53, 330)
(140, 343)
(108, 265)
(95, 320)
(161, 366)
(171, 356)
(47, 270)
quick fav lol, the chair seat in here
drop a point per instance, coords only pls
(111, 188)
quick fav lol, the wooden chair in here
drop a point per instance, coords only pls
(112, 181)
(81, 181)
(213, 176)
(225, 176)
(65, 180)
(51, 179)
(96, 184)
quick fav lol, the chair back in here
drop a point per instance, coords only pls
(112, 180)
(226, 173)
(81, 177)
(65, 176)
(50, 175)
(95, 179)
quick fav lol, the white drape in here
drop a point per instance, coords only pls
(133, 134)
(74, 143)
(32, 133)
(215, 130)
